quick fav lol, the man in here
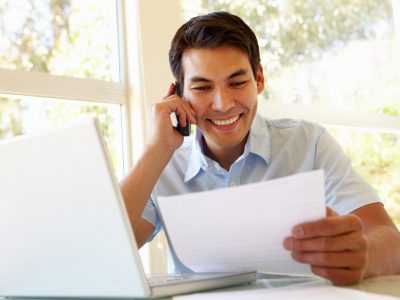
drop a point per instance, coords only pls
(215, 60)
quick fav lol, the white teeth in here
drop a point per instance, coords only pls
(226, 122)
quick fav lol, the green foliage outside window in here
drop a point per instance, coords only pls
(376, 156)
(59, 37)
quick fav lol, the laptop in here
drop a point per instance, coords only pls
(64, 230)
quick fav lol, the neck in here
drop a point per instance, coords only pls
(225, 156)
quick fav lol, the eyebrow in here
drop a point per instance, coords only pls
(233, 75)
(237, 73)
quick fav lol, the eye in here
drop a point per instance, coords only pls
(238, 83)
(201, 88)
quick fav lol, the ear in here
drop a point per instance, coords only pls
(260, 79)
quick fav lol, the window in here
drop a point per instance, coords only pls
(60, 60)
(24, 115)
(376, 155)
(336, 63)
(70, 38)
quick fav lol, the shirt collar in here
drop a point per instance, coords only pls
(197, 158)
(258, 143)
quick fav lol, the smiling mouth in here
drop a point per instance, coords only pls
(226, 122)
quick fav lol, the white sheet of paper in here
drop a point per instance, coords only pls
(298, 292)
(242, 228)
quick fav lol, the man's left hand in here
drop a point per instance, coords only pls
(335, 247)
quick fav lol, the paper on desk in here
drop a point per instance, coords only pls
(242, 228)
(296, 292)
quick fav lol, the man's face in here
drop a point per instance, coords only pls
(222, 90)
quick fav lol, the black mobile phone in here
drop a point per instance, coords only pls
(184, 130)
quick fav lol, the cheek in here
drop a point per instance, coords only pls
(199, 105)
(248, 99)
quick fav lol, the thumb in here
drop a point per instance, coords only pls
(330, 212)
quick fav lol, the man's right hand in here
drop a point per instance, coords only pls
(136, 187)
(162, 133)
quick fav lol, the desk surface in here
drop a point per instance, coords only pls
(386, 285)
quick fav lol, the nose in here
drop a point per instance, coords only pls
(222, 101)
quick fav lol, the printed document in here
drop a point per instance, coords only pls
(242, 228)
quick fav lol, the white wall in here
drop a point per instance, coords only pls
(149, 77)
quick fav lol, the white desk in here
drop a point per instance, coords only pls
(385, 285)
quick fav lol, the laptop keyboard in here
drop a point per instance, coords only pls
(164, 279)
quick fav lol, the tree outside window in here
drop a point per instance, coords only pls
(62, 38)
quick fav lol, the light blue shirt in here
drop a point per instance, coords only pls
(275, 148)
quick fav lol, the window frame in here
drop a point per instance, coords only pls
(48, 86)
(38, 84)
(331, 117)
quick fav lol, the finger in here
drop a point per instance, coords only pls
(330, 212)
(171, 90)
(328, 227)
(339, 276)
(184, 113)
(181, 108)
(187, 110)
(344, 259)
(355, 241)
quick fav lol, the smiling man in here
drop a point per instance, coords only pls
(223, 90)
(216, 62)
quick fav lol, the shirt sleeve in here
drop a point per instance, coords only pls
(345, 189)
(150, 214)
